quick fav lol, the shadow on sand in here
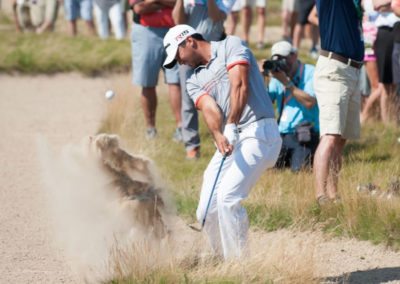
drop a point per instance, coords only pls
(372, 276)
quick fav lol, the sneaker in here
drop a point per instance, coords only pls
(193, 154)
(313, 53)
(260, 45)
(151, 133)
(177, 136)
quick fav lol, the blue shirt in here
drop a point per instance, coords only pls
(293, 111)
(340, 27)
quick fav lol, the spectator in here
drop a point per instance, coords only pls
(289, 15)
(151, 22)
(396, 53)
(384, 50)
(247, 6)
(372, 79)
(207, 17)
(292, 88)
(228, 88)
(336, 80)
(40, 15)
(105, 10)
(75, 9)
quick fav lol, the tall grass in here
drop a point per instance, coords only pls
(280, 199)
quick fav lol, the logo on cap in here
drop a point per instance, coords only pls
(181, 35)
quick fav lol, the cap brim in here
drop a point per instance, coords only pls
(170, 61)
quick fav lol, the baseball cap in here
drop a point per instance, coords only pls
(282, 48)
(172, 39)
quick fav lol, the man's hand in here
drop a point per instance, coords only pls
(231, 133)
(223, 145)
(281, 77)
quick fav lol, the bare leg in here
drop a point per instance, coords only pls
(72, 27)
(149, 105)
(372, 73)
(233, 20)
(387, 100)
(91, 28)
(175, 101)
(298, 35)
(261, 24)
(247, 18)
(327, 164)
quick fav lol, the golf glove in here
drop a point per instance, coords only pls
(231, 133)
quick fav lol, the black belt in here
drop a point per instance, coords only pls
(345, 60)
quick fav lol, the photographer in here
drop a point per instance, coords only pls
(291, 86)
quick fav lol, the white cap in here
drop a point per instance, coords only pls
(172, 39)
(282, 48)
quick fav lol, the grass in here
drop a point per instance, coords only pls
(57, 52)
(279, 200)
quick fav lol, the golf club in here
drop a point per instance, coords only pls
(209, 199)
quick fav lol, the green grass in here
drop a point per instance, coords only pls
(57, 52)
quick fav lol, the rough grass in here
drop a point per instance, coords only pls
(280, 199)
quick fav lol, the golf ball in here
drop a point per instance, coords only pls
(109, 94)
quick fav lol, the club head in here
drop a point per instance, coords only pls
(193, 227)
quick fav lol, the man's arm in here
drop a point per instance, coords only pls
(313, 16)
(213, 118)
(167, 3)
(178, 13)
(148, 6)
(239, 79)
(214, 13)
(302, 97)
(396, 7)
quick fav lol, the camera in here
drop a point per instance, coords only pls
(273, 65)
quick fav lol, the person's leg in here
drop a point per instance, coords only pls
(260, 26)
(86, 8)
(300, 157)
(175, 101)
(101, 17)
(148, 100)
(372, 73)
(233, 19)
(211, 225)
(298, 35)
(325, 169)
(251, 157)
(117, 21)
(247, 18)
(385, 101)
(190, 120)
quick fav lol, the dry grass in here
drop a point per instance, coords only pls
(280, 199)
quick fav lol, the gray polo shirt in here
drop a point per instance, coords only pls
(213, 80)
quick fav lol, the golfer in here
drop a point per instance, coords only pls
(226, 85)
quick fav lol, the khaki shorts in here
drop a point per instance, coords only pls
(43, 10)
(337, 90)
(288, 5)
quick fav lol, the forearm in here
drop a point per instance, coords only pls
(302, 97)
(167, 3)
(178, 13)
(238, 100)
(214, 12)
(146, 7)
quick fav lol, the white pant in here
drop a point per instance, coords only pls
(116, 18)
(226, 222)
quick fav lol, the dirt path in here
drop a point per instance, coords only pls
(64, 108)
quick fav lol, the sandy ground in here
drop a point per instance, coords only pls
(65, 108)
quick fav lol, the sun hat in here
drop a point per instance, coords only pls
(174, 37)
